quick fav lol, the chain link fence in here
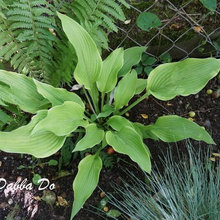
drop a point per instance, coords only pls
(188, 29)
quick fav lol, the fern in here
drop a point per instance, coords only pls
(31, 37)
(26, 40)
(108, 160)
(96, 16)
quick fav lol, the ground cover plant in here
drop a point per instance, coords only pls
(108, 86)
(188, 187)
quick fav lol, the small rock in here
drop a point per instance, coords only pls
(215, 94)
(5, 158)
(10, 201)
(207, 123)
(197, 96)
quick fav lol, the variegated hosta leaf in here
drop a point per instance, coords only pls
(89, 64)
(20, 90)
(31, 95)
(86, 181)
(128, 141)
(172, 128)
(141, 86)
(62, 119)
(125, 89)
(93, 136)
(181, 78)
(132, 56)
(109, 75)
(21, 140)
(118, 122)
(57, 96)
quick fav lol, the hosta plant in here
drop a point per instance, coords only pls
(108, 86)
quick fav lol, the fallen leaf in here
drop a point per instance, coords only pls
(37, 198)
(216, 154)
(169, 104)
(127, 21)
(212, 159)
(191, 119)
(49, 197)
(62, 201)
(145, 116)
(198, 28)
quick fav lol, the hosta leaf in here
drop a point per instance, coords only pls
(62, 119)
(111, 65)
(173, 128)
(181, 78)
(132, 56)
(89, 64)
(57, 96)
(118, 122)
(39, 145)
(128, 141)
(93, 136)
(20, 90)
(107, 110)
(86, 181)
(144, 131)
(125, 89)
(140, 86)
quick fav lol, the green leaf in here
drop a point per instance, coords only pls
(114, 213)
(144, 131)
(111, 66)
(128, 141)
(35, 179)
(181, 78)
(132, 56)
(118, 122)
(140, 86)
(57, 96)
(165, 58)
(147, 20)
(62, 119)
(20, 90)
(173, 128)
(5, 118)
(125, 89)
(147, 60)
(139, 69)
(93, 136)
(107, 110)
(147, 70)
(86, 181)
(210, 4)
(39, 145)
(53, 163)
(89, 64)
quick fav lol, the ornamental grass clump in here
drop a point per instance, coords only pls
(188, 188)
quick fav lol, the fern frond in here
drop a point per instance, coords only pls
(29, 45)
(99, 14)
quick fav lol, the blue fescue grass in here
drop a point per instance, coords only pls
(187, 189)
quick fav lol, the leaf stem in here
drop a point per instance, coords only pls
(89, 101)
(102, 100)
(134, 103)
